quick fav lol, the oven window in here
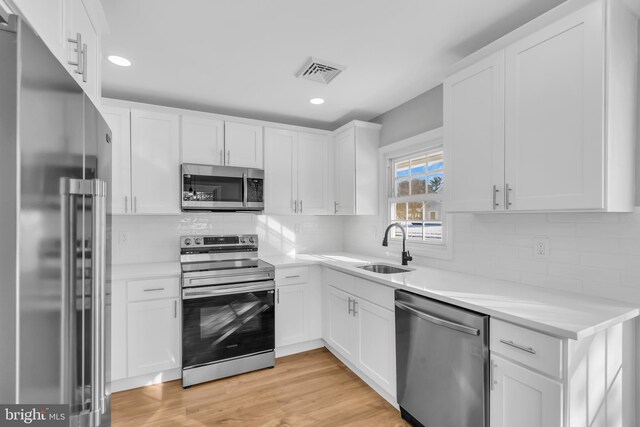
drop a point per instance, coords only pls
(254, 190)
(204, 188)
(222, 327)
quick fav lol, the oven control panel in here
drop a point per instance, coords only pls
(219, 241)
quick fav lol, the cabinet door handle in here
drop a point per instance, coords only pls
(228, 157)
(126, 204)
(507, 196)
(222, 157)
(295, 208)
(495, 197)
(492, 374)
(84, 63)
(300, 206)
(135, 204)
(350, 309)
(79, 62)
(529, 350)
(153, 289)
(175, 309)
(335, 207)
(277, 296)
(355, 304)
(292, 277)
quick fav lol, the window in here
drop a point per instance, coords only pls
(415, 196)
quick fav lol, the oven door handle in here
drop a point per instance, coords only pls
(213, 291)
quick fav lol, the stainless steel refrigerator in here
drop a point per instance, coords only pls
(55, 175)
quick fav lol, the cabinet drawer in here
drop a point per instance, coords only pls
(528, 347)
(292, 276)
(167, 287)
(345, 282)
(376, 293)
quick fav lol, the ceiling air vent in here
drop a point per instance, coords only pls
(319, 70)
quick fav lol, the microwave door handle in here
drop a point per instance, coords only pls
(245, 186)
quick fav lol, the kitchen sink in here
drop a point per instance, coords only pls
(384, 268)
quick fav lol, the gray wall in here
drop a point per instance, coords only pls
(420, 114)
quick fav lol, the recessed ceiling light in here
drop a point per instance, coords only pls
(119, 60)
(316, 101)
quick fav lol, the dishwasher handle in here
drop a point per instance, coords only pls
(437, 321)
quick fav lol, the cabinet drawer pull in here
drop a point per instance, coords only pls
(153, 289)
(518, 346)
(292, 277)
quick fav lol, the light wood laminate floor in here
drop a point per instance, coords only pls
(307, 389)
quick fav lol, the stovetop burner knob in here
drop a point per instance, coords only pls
(187, 241)
(198, 241)
(251, 239)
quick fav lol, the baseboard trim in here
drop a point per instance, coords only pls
(382, 392)
(299, 347)
(145, 380)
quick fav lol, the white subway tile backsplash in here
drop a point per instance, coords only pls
(591, 253)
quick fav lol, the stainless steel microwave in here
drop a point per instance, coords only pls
(221, 188)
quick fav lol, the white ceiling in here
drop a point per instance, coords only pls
(240, 57)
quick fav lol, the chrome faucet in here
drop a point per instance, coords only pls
(406, 256)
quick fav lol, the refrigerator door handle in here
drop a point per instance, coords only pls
(99, 220)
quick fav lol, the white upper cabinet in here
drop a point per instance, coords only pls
(58, 23)
(202, 140)
(474, 125)
(554, 115)
(119, 120)
(155, 162)
(314, 184)
(345, 177)
(296, 172)
(356, 169)
(280, 154)
(569, 125)
(83, 56)
(243, 145)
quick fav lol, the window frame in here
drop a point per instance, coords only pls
(423, 143)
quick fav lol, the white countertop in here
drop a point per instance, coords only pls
(557, 313)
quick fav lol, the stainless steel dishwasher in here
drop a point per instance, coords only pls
(442, 355)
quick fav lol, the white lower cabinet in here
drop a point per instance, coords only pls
(521, 397)
(298, 302)
(145, 329)
(361, 331)
(342, 328)
(376, 343)
(153, 332)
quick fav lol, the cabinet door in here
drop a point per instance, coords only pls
(377, 344)
(555, 113)
(119, 120)
(280, 171)
(202, 140)
(291, 327)
(341, 324)
(345, 174)
(155, 164)
(474, 136)
(243, 145)
(79, 22)
(523, 398)
(118, 341)
(313, 174)
(47, 19)
(153, 336)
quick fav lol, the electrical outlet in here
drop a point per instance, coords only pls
(541, 247)
(123, 238)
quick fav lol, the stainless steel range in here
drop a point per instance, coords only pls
(227, 307)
